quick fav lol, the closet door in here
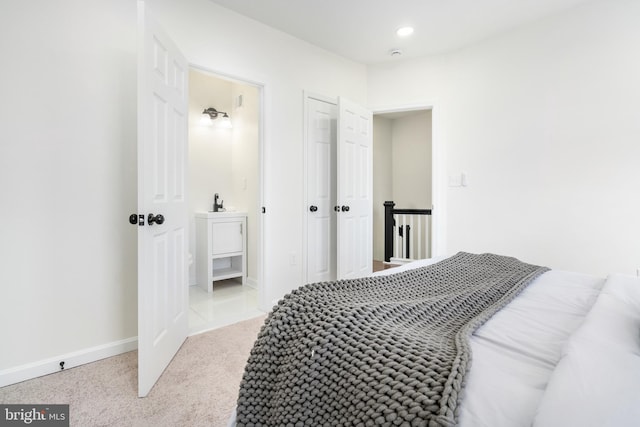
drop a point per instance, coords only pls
(321, 189)
(354, 189)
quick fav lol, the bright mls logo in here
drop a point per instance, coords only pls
(34, 415)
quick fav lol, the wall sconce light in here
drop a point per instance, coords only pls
(210, 114)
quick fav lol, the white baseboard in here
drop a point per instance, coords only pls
(71, 360)
(252, 283)
(399, 260)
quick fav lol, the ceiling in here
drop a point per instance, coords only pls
(364, 30)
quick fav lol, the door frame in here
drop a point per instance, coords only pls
(438, 170)
(305, 161)
(263, 91)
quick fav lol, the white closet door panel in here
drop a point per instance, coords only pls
(364, 261)
(323, 255)
(355, 184)
(321, 190)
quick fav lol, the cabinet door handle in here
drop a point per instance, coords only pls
(313, 208)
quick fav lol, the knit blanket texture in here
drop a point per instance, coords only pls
(381, 350)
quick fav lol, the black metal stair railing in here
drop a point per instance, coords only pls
(393, 230)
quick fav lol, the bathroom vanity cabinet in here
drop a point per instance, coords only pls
(221, 247)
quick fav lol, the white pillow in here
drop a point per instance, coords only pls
(597, 381)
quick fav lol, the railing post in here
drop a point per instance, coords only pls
(388, 230)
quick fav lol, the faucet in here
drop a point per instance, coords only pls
(216, 206)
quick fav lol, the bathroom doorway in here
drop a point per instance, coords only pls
(224, 168)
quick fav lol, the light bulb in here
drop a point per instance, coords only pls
(404, 31)
(205, 120)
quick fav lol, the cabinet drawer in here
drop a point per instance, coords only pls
(226, 237)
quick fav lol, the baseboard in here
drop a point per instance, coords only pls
(399, 261)
(252, 283)
(71, 360)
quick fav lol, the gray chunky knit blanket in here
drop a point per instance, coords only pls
(386, 350)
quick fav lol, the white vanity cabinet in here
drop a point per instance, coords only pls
(221, 247)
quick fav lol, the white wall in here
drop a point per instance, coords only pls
(68, 268)
(544, 122)
(411, 160)
(210, 147)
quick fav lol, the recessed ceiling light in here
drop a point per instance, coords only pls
(404, 31)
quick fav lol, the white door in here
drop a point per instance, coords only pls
(162, 245)
(355, 187)
(321, 190)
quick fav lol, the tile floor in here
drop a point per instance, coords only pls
(230, 302)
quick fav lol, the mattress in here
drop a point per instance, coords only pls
(551, 350)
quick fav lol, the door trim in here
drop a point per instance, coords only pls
(438, 171)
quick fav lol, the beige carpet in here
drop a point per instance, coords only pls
(199, 388)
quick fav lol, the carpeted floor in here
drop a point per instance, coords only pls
(199, 388)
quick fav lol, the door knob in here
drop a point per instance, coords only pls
(158, 219)
(133, 219)
(345, 209)
(313, 208)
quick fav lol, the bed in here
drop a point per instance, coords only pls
(562, 349)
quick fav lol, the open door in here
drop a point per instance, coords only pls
(162, 233)
(355, 190)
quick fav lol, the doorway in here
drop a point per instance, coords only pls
(403, 169)
(224, 169)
